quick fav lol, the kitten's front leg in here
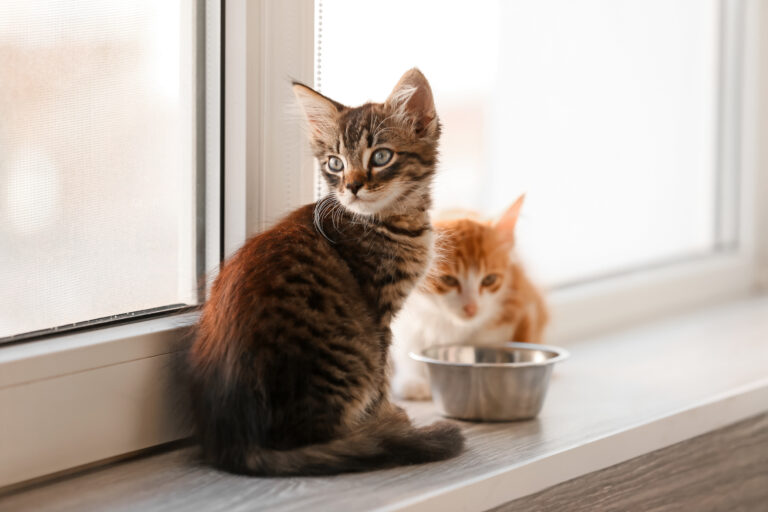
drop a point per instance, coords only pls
(411, 387)
(410, 380)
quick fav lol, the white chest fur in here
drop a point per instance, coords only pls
(422, 323)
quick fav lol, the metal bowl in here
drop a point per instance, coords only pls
(490, 383)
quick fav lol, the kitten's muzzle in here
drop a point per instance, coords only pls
(354, 186)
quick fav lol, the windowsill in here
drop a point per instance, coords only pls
(686, 376)
(87, 396)
(28, 361)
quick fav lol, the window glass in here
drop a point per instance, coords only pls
(97, 159)
(603, 112)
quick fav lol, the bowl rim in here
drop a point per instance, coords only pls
(561, 354)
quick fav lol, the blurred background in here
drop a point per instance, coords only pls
(97, 159)
(141, 143)
(615, 117)
(603, 112)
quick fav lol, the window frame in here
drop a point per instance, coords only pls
(202, 192)
(263, 45)
(105, 376)
(731, 270)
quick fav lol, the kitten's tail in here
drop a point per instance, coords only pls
(387, 442)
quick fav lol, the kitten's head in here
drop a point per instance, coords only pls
(473, 267)
(379, 157)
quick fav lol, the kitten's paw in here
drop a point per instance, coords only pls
(412, 388)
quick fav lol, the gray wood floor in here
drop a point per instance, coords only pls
(726, 470)
(609, 385)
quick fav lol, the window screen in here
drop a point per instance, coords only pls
(99, 115)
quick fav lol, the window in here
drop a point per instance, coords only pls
(605, 113)
(101, 166)
(230, 160)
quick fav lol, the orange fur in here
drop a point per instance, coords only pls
(487, 247)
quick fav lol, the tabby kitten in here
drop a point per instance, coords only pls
(477, 293)
(289, 367)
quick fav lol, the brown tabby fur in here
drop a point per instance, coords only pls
(289, 367)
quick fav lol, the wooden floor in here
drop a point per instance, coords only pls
(725, 470)
(609, 385)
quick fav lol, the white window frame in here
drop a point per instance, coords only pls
(89, 396)
(724, 274)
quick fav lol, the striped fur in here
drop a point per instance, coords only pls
(289, 367)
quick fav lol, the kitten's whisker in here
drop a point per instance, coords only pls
(321, 208)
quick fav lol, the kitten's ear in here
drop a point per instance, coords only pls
(412, 97)
(506, 224)
(321, 112)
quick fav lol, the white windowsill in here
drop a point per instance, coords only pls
(79, 398)
(620, 396)
(91, 349)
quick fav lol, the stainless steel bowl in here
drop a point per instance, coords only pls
(490, 383)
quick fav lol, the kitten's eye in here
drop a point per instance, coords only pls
(449, 280)
(335, 164)
(381, 157)
(490, 279)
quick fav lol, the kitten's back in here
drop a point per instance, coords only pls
(288, 374)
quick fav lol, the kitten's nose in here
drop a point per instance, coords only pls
(470, 309)
(354, 186)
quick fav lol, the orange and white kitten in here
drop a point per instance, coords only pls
(476, 293)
